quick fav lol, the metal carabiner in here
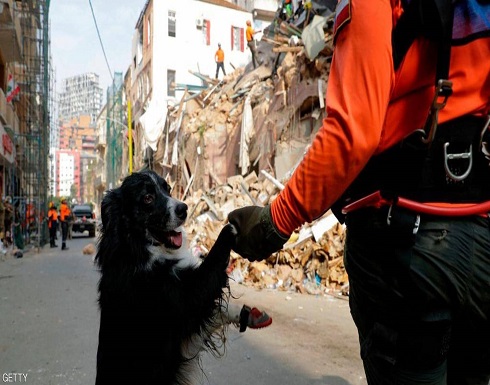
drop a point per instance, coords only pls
(445, 90)
(463, 155)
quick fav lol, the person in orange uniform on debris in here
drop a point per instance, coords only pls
(249, 34)
(219, 57)
(404, 154)
(64, 217)
(52, 224)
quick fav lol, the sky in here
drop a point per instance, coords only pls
(75, 45)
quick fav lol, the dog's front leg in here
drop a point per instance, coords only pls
(211, 277)
(220, 252)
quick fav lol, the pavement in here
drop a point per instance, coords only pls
(50, 320)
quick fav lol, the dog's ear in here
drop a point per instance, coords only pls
(111, 209)
(167, 187)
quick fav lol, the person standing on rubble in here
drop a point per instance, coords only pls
(414, 186)
(219, 57)
(249, 34)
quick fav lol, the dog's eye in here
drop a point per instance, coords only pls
(148, 198)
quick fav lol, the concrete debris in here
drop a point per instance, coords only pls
(314, 37)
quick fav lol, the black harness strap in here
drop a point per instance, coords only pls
(445, 10)
(432, 19)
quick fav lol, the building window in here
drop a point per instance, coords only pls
(170, 82)
(139, 47)
(171, 24)
(237, 39)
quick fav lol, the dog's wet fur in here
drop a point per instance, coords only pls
(159, 305)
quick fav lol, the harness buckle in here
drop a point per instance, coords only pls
(408, 220)
(462, 155)
(444, 90)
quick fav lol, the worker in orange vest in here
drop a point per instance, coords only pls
(219, 57)
(52, 224)
(64, 216)
(249, 34)
(404, 153)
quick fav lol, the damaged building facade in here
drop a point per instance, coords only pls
(186, 123)
(171, 27)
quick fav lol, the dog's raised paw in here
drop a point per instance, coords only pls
(228, 235)
(225, 242)
(230, 228)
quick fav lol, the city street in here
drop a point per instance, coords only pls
(49, 327)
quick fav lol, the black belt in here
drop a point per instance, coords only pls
(425, 173)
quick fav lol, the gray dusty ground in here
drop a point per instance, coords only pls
(49, 325)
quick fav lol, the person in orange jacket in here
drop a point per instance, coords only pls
(249, 34)
(219, 57)
(52, 224)
(415, 187)
(64, 217)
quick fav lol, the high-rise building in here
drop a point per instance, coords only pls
(76, 152)
(80, 102)
(80, 95)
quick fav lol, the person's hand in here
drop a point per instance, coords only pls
(257, 236)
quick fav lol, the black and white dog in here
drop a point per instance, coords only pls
(159, 305)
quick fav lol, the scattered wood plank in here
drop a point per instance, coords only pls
(288, 49)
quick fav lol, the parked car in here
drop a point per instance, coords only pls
(84, 219)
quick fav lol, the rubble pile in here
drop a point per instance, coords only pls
(308, 266)
(236, 143)
(311, 261)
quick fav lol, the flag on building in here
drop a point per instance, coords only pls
(12, 88)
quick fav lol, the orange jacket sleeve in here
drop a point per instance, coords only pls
(370, 107)
(358, 92)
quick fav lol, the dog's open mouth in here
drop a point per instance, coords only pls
(171, 239)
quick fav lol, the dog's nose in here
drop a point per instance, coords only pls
(181, 211)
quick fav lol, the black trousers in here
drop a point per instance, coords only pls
(421, 302)
(218, 66)
(64, 231)
(52, 232)
(251, 45)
